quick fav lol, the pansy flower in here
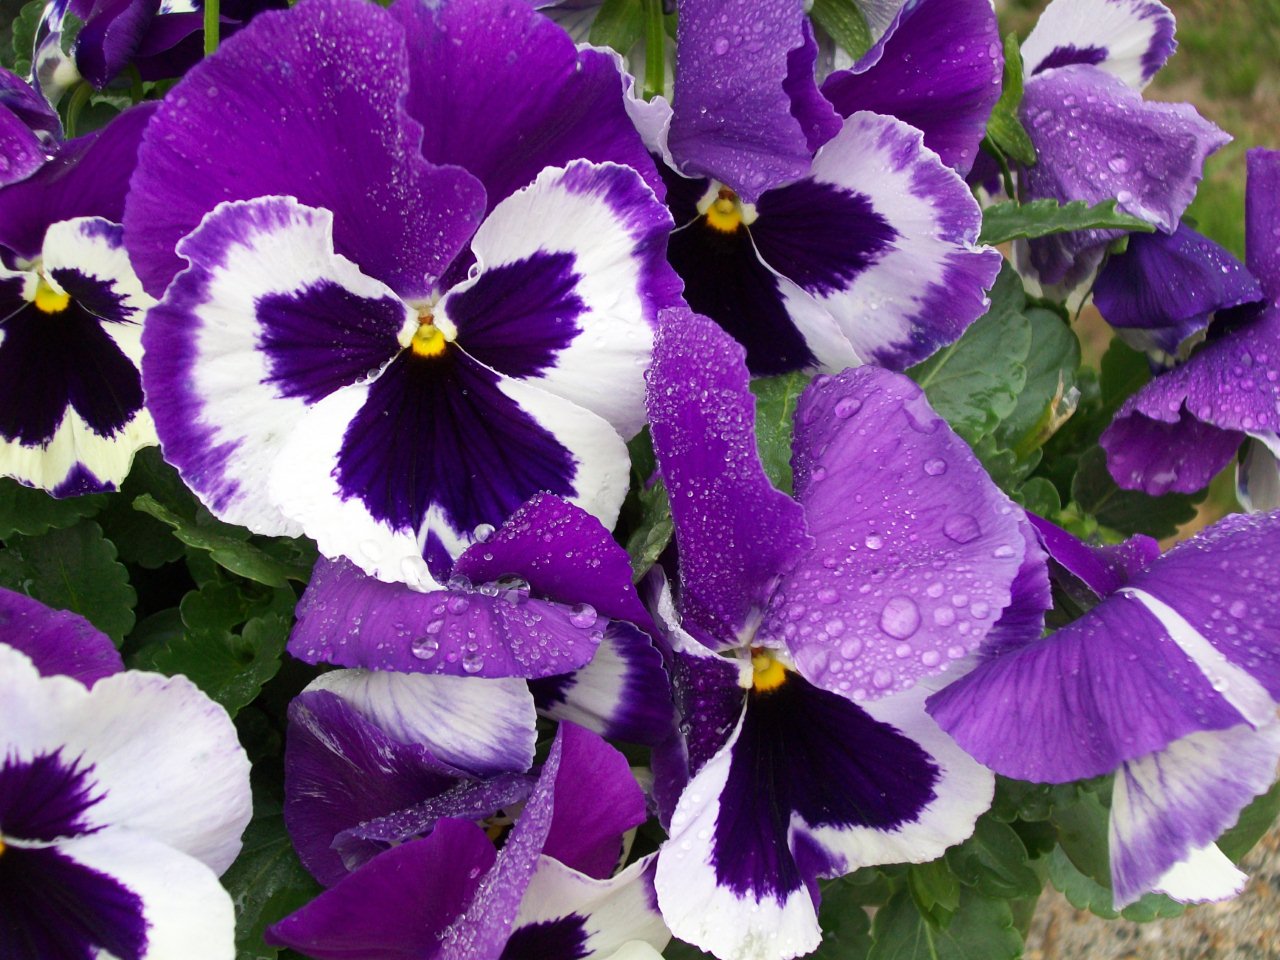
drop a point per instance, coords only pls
(817, 240)
(71, 309)
(1171, 681)
(550, 891)
(802, 631)
(1184, 426)
(27, 127)
(122, 797)
(1096, 138)
(350, 352)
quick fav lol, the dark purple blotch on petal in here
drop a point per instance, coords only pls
(46, 797)
(95, 295)
(564, 938)
(1066, 54)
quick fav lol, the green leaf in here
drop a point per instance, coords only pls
(618, 24)
(1128, 511)
(226, 544)
(1004, 128)
(653, 532)
(1039, 496)
(1020, 800)
(140, 537)
(1123, 372)
(974, 383)
(994, 861)
(266, 883)
(231, 668)
(981, 929)
(776, 399)
(936, 889)
(24, 36)
(846, 928)
(30, 511)
(1255, 820)
(71, 27)
(1085, 893)
(1011, 220)
(1049, 396)
(73, 569)
(844, 21)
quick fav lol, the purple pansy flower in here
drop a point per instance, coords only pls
(1096, 139)
(817, 240)
(122, 797)
(351, 353)
(549, 892)
(801, 634)
(1190, 638)
(71, 403)
(27, 126)
(1184, 426)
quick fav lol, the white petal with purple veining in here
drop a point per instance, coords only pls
(1130, 38)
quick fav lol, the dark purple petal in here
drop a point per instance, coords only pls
(107, 41)
(470, 63)
(1164, 288)
(735, 532)
(1022, 622)
(1129, 38)
(87, 177)
(21, 152)
(939, 71)
(349, 618)
(916, 550)
(1262, 220)
(57, 641)
(1097, 139)
(248, 122)
(19, 98)
(1102, 569)
(57, 909)
(736, 85)
(1109, 687)
(399, 905)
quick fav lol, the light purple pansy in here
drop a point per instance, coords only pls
(120, 802)
(549, 892)
(814, 241)
(353, 354)
(801, 632)
(1184, 426)
(1188, 636)
(71, 403)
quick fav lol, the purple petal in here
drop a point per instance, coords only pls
(107, 41)
(398, 905)
(736, 533)
(470, 64)
(23, 101)
(916, 549)
(1022, 622)
(1103, 570)
(354, 620)
(246, 123)
(735, 115)
(939, 71)
(1164, 288)
(1129, 38)
(1097, 139)
(21, 152)
(58, 642)
(883, 236)
(1262, 220)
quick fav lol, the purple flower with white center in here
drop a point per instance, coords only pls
(122, 797)
(1190, 637)
(801, 635)
(160, 38)
(1096, 139)
(1184, 426)
(814, 240)
(71, 309)
(351, 353)
(549, 892)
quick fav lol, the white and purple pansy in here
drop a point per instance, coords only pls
(71, 310)
(1190, 637)
(350, 352)
(1095, 137)
(1184, 426)
(815, 241)
(550, 891)
(122, 798)
(801, 632)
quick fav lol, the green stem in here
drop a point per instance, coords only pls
(211, 24)
(79, 97)
(655, 49)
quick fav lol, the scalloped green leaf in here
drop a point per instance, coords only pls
(1002, 222)
(981, 929)
(31, 512)
(994, 862)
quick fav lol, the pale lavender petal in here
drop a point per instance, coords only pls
(1129, 38)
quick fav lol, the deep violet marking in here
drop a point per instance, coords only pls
(519, 315)
(807, 750)
(725, 280)
(79, 481)
(1067, 54)
(819, 235)
(45, 798)
(97, 296)
(564, 938)
(51, 361)
(428, 428)
(304, 365)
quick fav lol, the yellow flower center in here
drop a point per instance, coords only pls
(428, 339)
(767, 672)
(49, 300)
(725, 212)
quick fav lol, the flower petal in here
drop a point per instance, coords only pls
(1129, 38)
(57, 641)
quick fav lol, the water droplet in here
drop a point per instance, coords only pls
(1119, 163)
(720, 45)
(944, 616)
(961, 527)
(874, 541)
(457, 603)
(902, 651)
(424, 648)
(482, 532)
(935, 468)
(847, 407)
(851, 648)
(834, 627)
(828, 595)
(582, 615)
(1238, 609)
(881, 679)
(931, 658)
(900, 617)
(473, 662)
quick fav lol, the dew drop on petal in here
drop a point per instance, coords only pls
(582, 615)
(961, 527)
(900, 617)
